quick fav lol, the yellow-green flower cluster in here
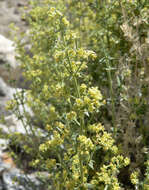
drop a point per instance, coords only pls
(95, 93)
(134, 177)
(50, 163)
(120, 161)
(68, 39)
(57, 140)
(33, 74)
(75, 170)
(65, 21)
(11, 104)
(85, 144)
(59, 55)
(106, 141)
(90, 100)
(63, 130)
(71, 115)
(74, 167)
(35, 163)
(96, 128)
(102, 137)
(108, 173)
(85, 54)
(48, 127)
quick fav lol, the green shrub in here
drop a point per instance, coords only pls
(77, 48)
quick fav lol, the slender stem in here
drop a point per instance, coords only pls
(81, 168)
(76, 86)
(112, 96)
(110, 85)
(60, 182)
(106, 187)
(81, 132)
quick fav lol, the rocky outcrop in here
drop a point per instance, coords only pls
(11, 176)
(9, 67)
(6, 93)
(7, 52)
(10, 13)
(8, 63)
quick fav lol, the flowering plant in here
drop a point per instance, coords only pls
(77, 48)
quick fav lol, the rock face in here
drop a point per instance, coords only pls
(8, 63)
(9, 67)
(10, 12)
(23, 182)
(11, 177)
(6, 93)
(7, 52)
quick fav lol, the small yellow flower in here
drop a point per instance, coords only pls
(126, 161)
(48, 127)
(80, 52)
(87, 100)
(72, 53)
(95, 93)
(83, 87)
(43, 148)
(11, 104)
(65, 21)
(85, 142)
(52, 109)
(79, 102)
(50, 163)
(134, 177)
(72, 115)
(60, 125)
(95, 128)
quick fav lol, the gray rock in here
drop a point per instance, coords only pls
(5, 90)
(7, 52)
(3, 145)
(15, 180)
(12, 125)
(6, 94)
(10, 12)
(12, 178)
(10, 181)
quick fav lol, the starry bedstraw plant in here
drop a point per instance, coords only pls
(77, 151)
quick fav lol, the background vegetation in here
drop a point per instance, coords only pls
(88, 67)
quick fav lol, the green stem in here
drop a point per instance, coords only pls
(76, 86)
(62, 165)
(81, 169)
(112, 96)
(106, 187)
(81, 132)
